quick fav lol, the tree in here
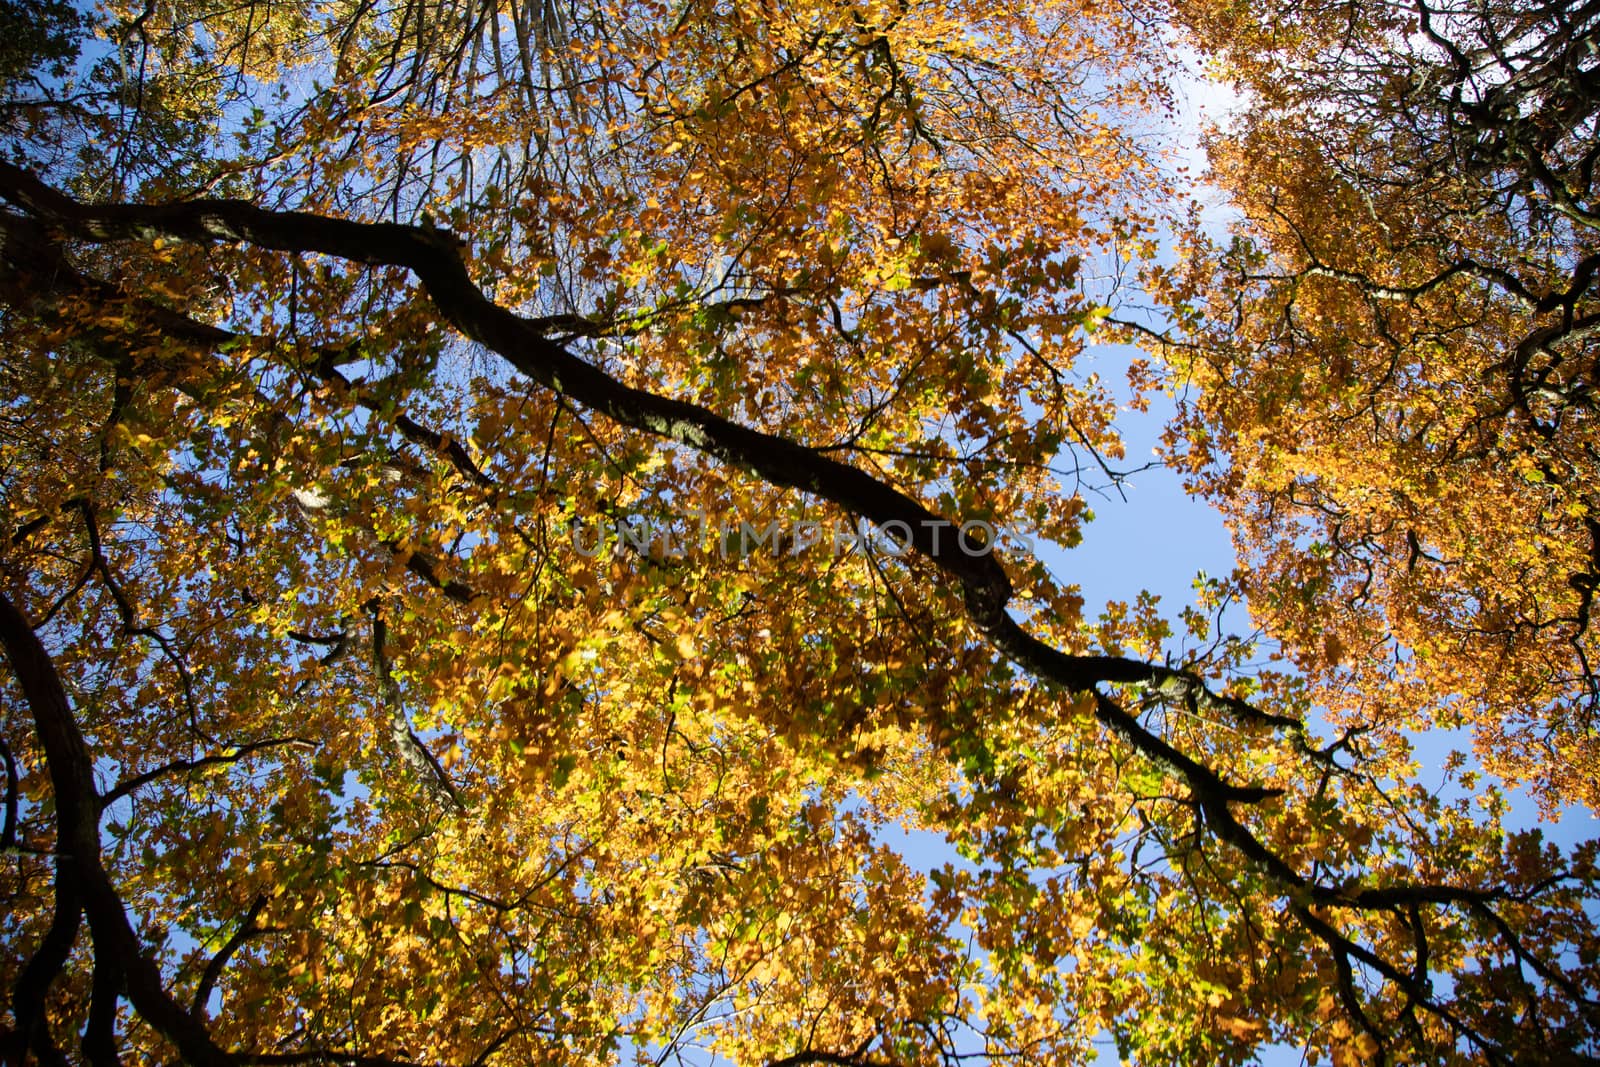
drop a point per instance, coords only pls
(504, 505)
(1397, 366)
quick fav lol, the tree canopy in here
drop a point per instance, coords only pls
(510, 509)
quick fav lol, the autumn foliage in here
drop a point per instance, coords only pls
(522, 522)
(1396, 370)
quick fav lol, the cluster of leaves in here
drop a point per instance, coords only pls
(1397, 370)
(331, 737)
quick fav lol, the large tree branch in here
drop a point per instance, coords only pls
(41, 970)
(78, 841)
(434, 257)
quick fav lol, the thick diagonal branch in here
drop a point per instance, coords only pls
(434, 257)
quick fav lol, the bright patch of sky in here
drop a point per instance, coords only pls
(1148, 533)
